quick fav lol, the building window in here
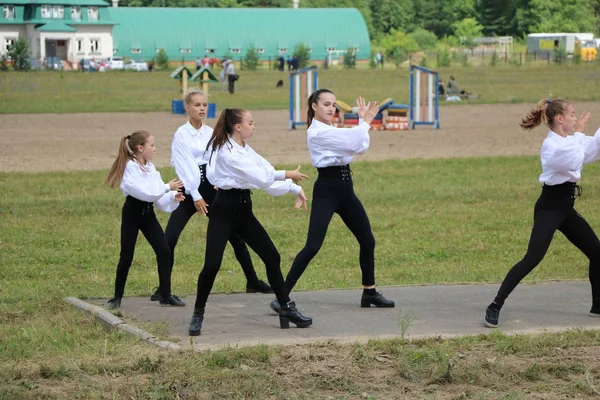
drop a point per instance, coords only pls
(282, 50)
(185, 51)
(356, 49)
(330, 49)
(80, 45)
(159, 50)
(260, 50)
(136, 51)
(209, 51)
(115, 50)
(8, 43)
(310, 50)
(9, 12)
(46, 11)
(93, 13)
(94, 45)
(235, 50)
(58, 12)
(75, 13)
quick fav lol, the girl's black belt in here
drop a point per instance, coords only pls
(338, 172)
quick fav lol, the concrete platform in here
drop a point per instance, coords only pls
(421, 311)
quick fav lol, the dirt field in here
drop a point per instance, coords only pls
(58, 142)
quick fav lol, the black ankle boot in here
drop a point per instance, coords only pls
(156, 295)
(258, 287)
(289, 313)
(172, 300)
(196, 323)
(377, 300)
(114, 303)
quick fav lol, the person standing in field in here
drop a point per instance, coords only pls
(562, 157)
(331, 150)
(235, 168)
(189, 157)
(143, 187)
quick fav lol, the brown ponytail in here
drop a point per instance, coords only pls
(544, 113)
(127, 148)
(314, 99)
(224, 128)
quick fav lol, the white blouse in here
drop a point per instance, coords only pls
(145, 183)
(563, 157)
(330, 146)
(188, 151)
(237, 167)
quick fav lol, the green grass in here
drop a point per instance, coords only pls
(74, 92)
(453, 220)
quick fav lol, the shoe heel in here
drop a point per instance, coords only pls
(284, 323)
(365, 303)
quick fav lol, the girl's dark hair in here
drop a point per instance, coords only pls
(544, 113)
(224, 128)
(314, 99)
(127, 147)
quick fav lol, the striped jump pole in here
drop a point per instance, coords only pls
(424, 97)
(302, 83)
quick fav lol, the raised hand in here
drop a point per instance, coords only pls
(179, 197)
(295, 175)
(362, 107)
(175, 184)
(367, 111)
(582, 122)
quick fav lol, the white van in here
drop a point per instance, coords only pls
(115, 62)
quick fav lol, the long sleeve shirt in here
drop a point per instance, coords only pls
(188, 152)
(237, 167)
(145, 183)
(329, 146)
(563, 157)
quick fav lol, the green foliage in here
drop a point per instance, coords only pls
(577, 53)
(252, 59)
(425, 40)
(303, 55)
(562, 16)
(372, 60)
(468, 29)
(350, 58)
(4, 62)
(423, 62)
(19, 54)
(444, 57)
(560, 55)
(162, 59)
(397, 45)
(494, 60)
(393, 14)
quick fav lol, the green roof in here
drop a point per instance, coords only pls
(55, 26)
(99, 3)
(222, 29)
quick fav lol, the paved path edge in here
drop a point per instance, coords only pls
(111, 322)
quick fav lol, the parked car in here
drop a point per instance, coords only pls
(35, 64)
(115, 63)
(53, 63)
(133, 65)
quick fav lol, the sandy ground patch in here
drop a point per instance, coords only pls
(66, 142)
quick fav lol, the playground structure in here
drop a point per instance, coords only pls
(423, 97)
(302, 83)
(204, 76)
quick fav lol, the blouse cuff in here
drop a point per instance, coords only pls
(280, 175)
(295, 189)
(195, 195)
(167, 188)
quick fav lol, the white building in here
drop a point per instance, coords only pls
(67, 29)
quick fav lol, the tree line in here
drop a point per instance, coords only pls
(514, 18)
